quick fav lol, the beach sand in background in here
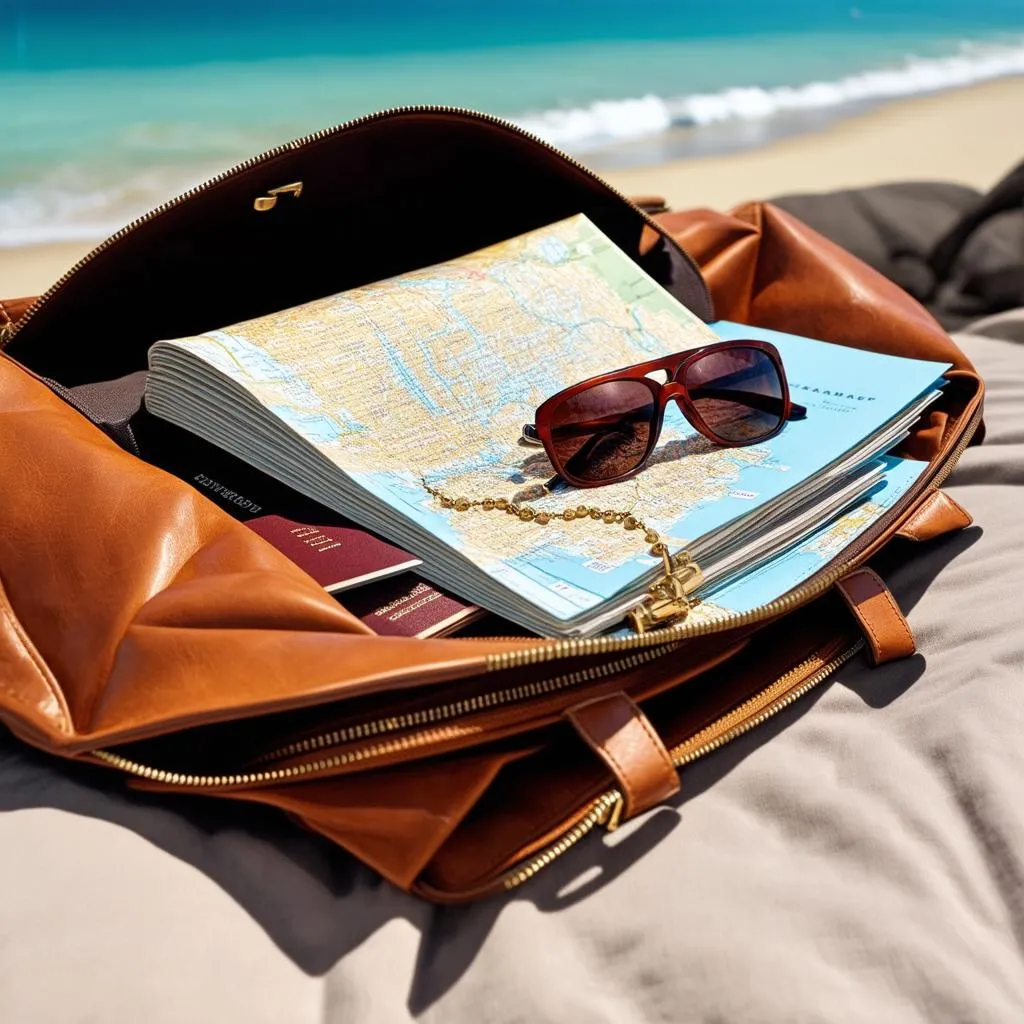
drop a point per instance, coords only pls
(972, 137)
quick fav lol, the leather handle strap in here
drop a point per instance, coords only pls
(886, 630)
(615, 728)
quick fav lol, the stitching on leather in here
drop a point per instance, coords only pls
(844, 586)
(915, 520)
(956, 504)
(605, 751)
(632, 800)
(620, 774)
(899, 617)
(659, 747)
(37, 662)
(878, 589)
(876, 647)
(912, 524)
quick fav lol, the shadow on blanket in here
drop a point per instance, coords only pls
(317, 903)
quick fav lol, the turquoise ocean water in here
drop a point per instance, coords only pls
(108, 107)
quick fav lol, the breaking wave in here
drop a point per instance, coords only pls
(83, 200)
(605, 122)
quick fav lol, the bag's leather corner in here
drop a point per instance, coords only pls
(937, 514)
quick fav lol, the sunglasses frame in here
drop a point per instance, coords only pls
(671, 390)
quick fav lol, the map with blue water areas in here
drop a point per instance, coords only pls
(429, 377)
(797, 564)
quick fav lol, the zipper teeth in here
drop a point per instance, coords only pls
(9, 331)
(428, 716)
(656, 644)
(950, 464)
(272, 775)
(771, 701)
(583, 646)
(596, 814)
(704, 742)
(815, 586)
(443, 712)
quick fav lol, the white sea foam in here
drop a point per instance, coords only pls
(76, 202)
(580, 129)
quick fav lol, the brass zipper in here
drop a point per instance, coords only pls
(9, 330)
(568, 648)
(606, 809)
(652, 645)
(430, 717)
(456, 709)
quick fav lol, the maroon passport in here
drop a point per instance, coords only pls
(337, 556)
(409, 606)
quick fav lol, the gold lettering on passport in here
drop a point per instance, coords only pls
(316, 539)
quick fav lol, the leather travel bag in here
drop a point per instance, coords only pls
(145, 630)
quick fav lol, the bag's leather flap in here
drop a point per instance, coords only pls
(381, 196)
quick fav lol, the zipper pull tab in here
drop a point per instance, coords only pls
(670, 598)
(269, 201)
(611, 814)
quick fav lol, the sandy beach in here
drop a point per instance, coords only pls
(972, 136)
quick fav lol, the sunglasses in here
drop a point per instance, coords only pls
(604, 429)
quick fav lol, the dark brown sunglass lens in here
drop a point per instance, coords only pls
(737, 393)
(603, 433)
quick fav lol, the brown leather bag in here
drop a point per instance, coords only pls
(144, 629)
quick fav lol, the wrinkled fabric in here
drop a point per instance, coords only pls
(858, 859)
(959, 252)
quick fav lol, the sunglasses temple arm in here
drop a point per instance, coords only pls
(607, 424)
(580, 458)
(766, 403)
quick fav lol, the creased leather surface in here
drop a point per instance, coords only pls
(130, 603)
(132, 606)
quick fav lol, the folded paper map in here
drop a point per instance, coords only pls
(358, 398)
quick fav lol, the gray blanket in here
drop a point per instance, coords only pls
(859, 859)
(957, 251)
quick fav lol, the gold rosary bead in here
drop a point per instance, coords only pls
(487, 504)
(543, 518)
(594, 512)
(582, 511)
(446, 502)
(652, 537)
(659, 548)
(500, 503)
(526, 514)
(569, 514)
(461, 504)
(630, 523)
(512, 508)
(609, 516)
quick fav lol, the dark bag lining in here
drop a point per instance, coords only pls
(379, 198)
